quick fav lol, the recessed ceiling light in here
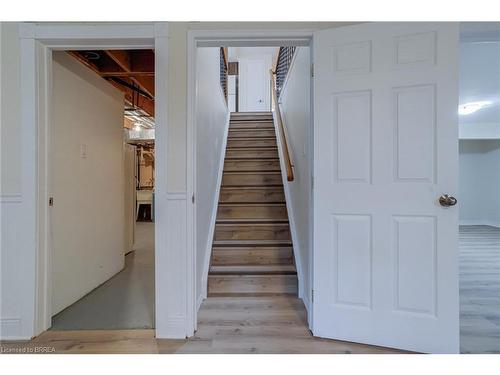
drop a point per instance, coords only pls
(468, 108)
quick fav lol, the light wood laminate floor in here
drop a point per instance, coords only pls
(278, 324)
(479, 289)
(226, 325)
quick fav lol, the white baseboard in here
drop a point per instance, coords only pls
(172, 328)
(11, 330)
(199, 301)
(208, 250)
(307, 304)
(491, 223)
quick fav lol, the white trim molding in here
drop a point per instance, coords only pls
(11, 198)
(218, 38)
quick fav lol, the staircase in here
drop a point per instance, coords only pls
(252, 250)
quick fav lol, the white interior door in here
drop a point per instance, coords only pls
(254, 87)
(385, 150)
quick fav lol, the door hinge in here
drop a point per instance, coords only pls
(51, 201)
(192, 199)
(312, 70)
(312, 295)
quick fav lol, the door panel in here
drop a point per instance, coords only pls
(385, 149)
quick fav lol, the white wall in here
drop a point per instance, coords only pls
(10, 115)
(479, 151)
(211, 129)
(16, 292)
(295, 107)
(480, 81)
(479, 184)
(88, 218)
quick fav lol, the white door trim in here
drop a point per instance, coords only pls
(37, 43)
(219, 38)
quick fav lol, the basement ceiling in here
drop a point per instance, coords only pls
(131, 71)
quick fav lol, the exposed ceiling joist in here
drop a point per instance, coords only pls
(131, 71)
(124, 60)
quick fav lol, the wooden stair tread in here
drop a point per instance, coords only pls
(266, 138)
(258, 204)
(252, 249)
(251, 125)
(270, 148)
(252, 165)
(253, 243)
(250, 172)
(252, 255)
(252, 188)
(257, 134)
(279, 269)
(249, 220)
(256, 159)
(242, 120)
(252, 225)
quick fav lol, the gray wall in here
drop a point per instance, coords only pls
(479, 184)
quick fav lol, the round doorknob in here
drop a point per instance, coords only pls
(446, 200)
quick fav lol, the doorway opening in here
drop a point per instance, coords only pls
(102, 184)
(252, 227)
(479, 188)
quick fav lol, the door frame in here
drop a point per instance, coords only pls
(226, 38)
(37, 41)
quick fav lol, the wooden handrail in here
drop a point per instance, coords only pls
(281, 128)
(226, 59)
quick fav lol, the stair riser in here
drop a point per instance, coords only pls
(251, 125)
(251, 256)
(255, 195)
(235, 143)
(263, 117)
(252, 165)
(251, 114)
(251, 179)
(252, 232)
(243, 153)
(261, 133)
(252, 284)
(252, 212)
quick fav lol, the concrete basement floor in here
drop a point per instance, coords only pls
(126, 301)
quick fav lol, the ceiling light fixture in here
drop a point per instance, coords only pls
(468, 108)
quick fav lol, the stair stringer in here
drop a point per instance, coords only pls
(213, 218)
(302, 294)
